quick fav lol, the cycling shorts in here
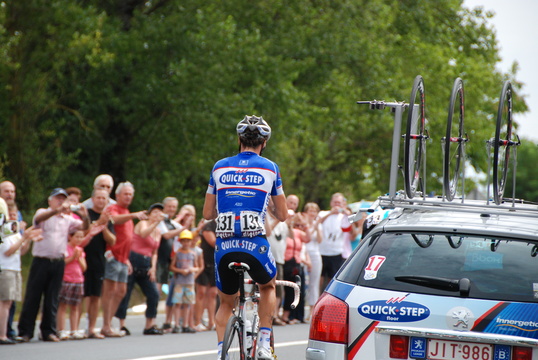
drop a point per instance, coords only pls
(255, 252)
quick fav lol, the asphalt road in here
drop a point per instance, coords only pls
(290, 343)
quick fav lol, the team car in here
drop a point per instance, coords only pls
(437, 278)
(435, 282)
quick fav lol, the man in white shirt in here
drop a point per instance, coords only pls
(335, 225)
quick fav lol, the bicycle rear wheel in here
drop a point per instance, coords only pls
(502, 142)
(232, 346)
(454, 141)
(414, 138)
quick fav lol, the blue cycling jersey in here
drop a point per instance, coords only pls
(243, 185)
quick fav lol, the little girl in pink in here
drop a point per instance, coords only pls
(72, 290)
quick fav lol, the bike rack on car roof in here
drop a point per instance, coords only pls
(453, 155)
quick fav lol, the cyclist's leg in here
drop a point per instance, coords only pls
(267, 303)
(227, 282)
(223, 313)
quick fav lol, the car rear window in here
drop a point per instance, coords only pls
(445, 264)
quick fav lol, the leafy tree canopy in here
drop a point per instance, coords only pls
(150, 91)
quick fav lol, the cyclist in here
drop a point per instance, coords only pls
(237, 197)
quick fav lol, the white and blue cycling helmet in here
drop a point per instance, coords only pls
(254, 124)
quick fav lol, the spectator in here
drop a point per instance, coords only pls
(206, 288)
(8, 193)
(293, 203)
(199, 265)
(293, 261)
(11, 248)
(356, 232)
(103, 181)
(184, 268)
(277, 232)
(170, 229)
(100, 235)
(72, 290)
(349, 236)
(117, 255)
(143, 259)
(73, 197)
(47, 269)
(311, 211)
(335, 224)
(185, 218)
(74, 193)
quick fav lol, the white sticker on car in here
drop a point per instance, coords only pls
(374, 263)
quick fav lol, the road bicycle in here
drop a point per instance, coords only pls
(454, 144)
(241, 335)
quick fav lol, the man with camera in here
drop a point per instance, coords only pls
(47, 269)
(335, 225)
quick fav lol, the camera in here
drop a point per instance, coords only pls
(74, 207)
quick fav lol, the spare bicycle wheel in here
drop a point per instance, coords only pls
(502, 143)
(414, 138)
(454, 142)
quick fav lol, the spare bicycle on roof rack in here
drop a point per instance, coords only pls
(499, 148)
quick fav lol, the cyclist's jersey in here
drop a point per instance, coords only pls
(243, 185)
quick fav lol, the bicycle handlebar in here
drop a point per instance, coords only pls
(296, 289)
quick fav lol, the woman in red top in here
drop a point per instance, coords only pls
(292, 258)
(143, 258)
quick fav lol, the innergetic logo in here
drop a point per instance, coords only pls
(241, 178)
(403, 311)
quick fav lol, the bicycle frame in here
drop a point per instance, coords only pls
(240, 311)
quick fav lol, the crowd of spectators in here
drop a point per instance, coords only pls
(87, 257)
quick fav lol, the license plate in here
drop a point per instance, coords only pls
(448, 350)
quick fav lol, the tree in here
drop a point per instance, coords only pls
(526, 176)
(150, 91)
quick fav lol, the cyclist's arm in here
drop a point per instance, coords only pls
(210, 206)
(281, 209)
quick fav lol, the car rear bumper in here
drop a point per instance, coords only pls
(319, 350)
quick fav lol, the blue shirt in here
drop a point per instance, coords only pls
(243, 185)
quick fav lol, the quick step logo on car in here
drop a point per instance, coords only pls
(394, 310)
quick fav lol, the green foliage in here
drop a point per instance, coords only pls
(526, 176)
(150, 91)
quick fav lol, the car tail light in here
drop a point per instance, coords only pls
(329, 320)
(521, 353)
(399, 347)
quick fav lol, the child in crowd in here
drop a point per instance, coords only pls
(184, 269)
(72, 290)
